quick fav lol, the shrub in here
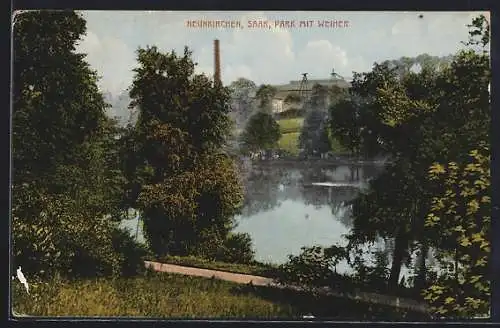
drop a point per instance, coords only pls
(238, 248)
(132, 253)
(54, 234)
(315, 266)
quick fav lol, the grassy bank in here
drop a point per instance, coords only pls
(152, 295)
(338, 149)
(290, 142)
(290, 131)
(256, 268)
(159, 295)
(290, 125)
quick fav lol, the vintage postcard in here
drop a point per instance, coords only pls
(262, 165)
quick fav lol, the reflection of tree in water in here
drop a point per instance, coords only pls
(314, 174)
(262, 189)
(312, 195)
(337, 197)
(340, 204)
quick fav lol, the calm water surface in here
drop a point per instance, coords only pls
(285, 209)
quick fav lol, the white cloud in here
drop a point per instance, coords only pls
(264, 55)
(207, 70)
(320, 56)
(232, 73)
(269, 55)
(112, 59)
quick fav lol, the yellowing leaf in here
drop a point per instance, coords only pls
(473, 207)
(437, 169)
(475, 278)
(459, 229)
(465, 242)
(484, 244)
(485, 199)
(477, 237)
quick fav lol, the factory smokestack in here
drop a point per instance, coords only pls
(216, 61)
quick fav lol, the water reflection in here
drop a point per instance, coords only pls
(284, 211)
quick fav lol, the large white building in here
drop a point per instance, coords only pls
(278, 102)
(279, 105)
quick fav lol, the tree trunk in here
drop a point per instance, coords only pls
(422, 268)
(400, 247)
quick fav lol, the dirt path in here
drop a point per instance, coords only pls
(263, 281)
(222, 275)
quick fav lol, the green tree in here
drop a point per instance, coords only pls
(292, 98)
(314, 137)
(319, 98)
(404, 65)
(460, 219)
(242, 94)
(67, 185)
(418, 118)
(345, 125)
(261, 132)
(460, 216)
(187, 190)
(265, 94)
(336, 94)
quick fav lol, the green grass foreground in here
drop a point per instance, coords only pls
(160, 295)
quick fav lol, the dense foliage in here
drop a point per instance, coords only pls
(420, 118)
(314, 138)
(460, 219)
(76, 172)
(242, 99)
(264, 95)
(261, 132)
(67, 186)
(186, 189)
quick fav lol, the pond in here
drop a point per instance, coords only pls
(304, 204)
(291, 205)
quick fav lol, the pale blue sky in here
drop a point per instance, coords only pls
(269, 55)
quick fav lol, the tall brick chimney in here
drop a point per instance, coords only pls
(216, 61)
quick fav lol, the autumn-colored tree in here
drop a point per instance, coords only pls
(460, 220)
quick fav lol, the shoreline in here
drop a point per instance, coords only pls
(320, 161)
